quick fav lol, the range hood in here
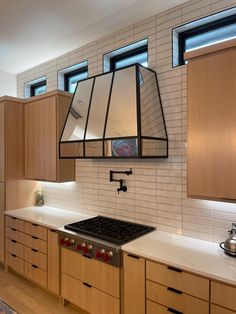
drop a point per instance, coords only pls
(117, 114)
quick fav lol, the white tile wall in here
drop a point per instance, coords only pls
(157, 189)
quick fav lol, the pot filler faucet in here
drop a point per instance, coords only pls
(122, 187)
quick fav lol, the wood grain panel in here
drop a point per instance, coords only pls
(2, 141)
(53, 262)
(40, 139)
(87, 297)
(223, 295)
(180, 302)
(13, 234)
(134, 284)
(180, 280)
(35, 274)
(35, 243)
(36, 258)
(97, 274)
(220, 310)
(15, 263)
(2, 207)
(154, 308)
(36, 230)
(211, 126)
(14, 223)
(15, 248)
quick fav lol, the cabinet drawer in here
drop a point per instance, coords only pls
(178, 279)
(215, 309)
(15, 248)
(13, 234)
(15, 223)
(35, 257)
(87, 297)
(35, 274)
(223, 295)
(36, 230)
(100, 275)
(15, 263)
(178, 301)
(154, 308)
(35, 243)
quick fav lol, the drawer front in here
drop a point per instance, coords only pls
(223, 295)
(154, 308)
(15, 223)
(35, 243)
(35, 257)
(36, 230)
(15, 248)
(100, 275)
(178, 279)
(180, 302)
(215, 309)
(13, 234)
(88, 298)
(35, 274)
(15, 263)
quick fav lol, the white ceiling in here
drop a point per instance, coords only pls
(35, 31)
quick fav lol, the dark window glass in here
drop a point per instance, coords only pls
(138, 55)
(38, 88)
(71, 78)
(205, 35)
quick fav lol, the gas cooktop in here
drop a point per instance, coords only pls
(109, 229)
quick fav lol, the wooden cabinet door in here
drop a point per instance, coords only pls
(211, 125)
(53, 262)
(2, 205)
(41, 139)
(134, 284)
(2, 142)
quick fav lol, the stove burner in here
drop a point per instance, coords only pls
(108, 229)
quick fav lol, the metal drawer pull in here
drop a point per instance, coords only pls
(13, 229)
(53, 230)
(13, 218)
(34, 237)
(174, 269)
(174, 290)
(34, 250)
(174, 311)
(133, 256)
(34, 266)
(87, 285)
(35, 225)
(14, 241)
(13, 255)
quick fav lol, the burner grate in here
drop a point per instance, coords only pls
(109, 229)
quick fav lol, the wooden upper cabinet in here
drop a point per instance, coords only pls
(211, 166)
(2, 141)
(44, 118)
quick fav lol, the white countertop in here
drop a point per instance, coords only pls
(197, 256)
(50, 217)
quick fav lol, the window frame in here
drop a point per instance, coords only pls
(128, 54)
(201, 29)
(36, 85)
(69, 75)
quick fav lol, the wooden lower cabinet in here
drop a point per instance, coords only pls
(32, 251)
(134, 284)
(223, 295)
(2, 208)
(88, 298)
(215, 309)
(154, 308)
(92, 285)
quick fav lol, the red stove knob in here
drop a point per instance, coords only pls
(85, 249)
(79, 247)
(107, 256)
(98, 254)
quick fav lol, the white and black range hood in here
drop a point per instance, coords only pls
(116, 114)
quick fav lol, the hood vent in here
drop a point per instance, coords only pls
(116, 115)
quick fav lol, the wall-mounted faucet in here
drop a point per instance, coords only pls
(121, 181)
